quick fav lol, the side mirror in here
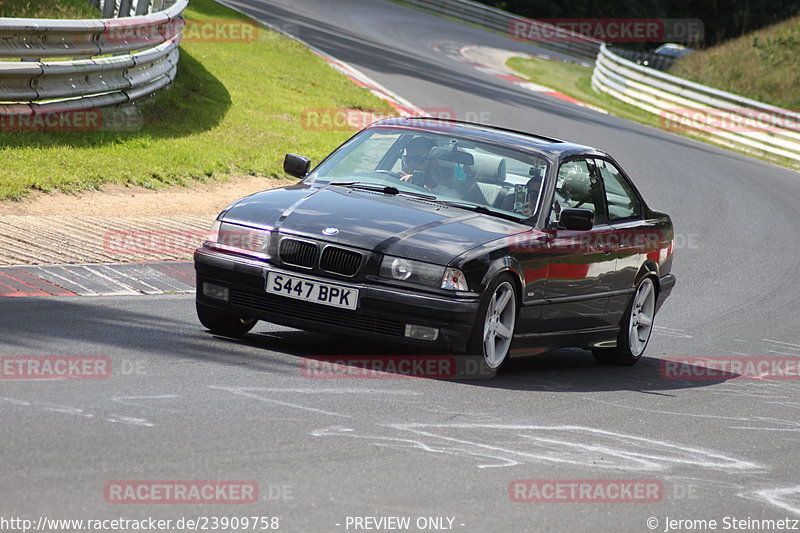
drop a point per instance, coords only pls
(296, 165)
(577, 219)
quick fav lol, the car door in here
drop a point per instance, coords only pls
(633, 235)
(581, 272)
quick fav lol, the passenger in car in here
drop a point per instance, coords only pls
(488, 185)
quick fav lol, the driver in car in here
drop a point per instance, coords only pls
(416, 159)
(420, 169)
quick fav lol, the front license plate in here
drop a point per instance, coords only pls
(312, 291)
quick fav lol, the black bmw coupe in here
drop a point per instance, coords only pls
(457, 236)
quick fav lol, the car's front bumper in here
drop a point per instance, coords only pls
(382, 314)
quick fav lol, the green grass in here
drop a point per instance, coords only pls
(57, 9)
(575, 80)
(763, 65)
(235, 108)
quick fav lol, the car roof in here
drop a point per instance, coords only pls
(556, 148)
(673, 50)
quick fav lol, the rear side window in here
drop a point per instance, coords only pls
(622, 202)
(577, 187)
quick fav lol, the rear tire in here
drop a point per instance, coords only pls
(494, 326)
(635, 329)
(224, 323)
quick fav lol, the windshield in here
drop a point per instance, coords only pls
(449, 169)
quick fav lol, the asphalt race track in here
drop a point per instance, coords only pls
(182, 404)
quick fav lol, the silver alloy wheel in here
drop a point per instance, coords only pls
(642, 313)
(498, 327)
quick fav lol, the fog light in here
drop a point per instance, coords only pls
(218, 292)
(423, 333)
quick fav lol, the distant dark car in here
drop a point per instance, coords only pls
(673, 50)
(663, 57)
(452, 235)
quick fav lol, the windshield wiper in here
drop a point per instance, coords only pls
(386, 189)
(478, 208)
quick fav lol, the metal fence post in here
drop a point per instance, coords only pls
(142, 7)
(108, 8)
(124, 8)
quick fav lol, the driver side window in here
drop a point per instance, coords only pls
(577, 187)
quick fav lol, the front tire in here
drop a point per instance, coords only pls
(224, 323)
(494, 326)
(635, 330)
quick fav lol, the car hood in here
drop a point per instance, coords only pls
(391, 224)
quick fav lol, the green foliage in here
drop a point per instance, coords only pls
(764, 65)
(57, 9)
(723, 19)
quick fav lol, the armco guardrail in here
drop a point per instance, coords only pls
(725, 118)
(516, 27)
(89, 63)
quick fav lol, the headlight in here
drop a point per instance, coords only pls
(411, 271)
(213, 233)
(421, 273)
(239, 239)
(400, 269)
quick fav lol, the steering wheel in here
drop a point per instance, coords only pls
(399, 177)
(390, 173)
